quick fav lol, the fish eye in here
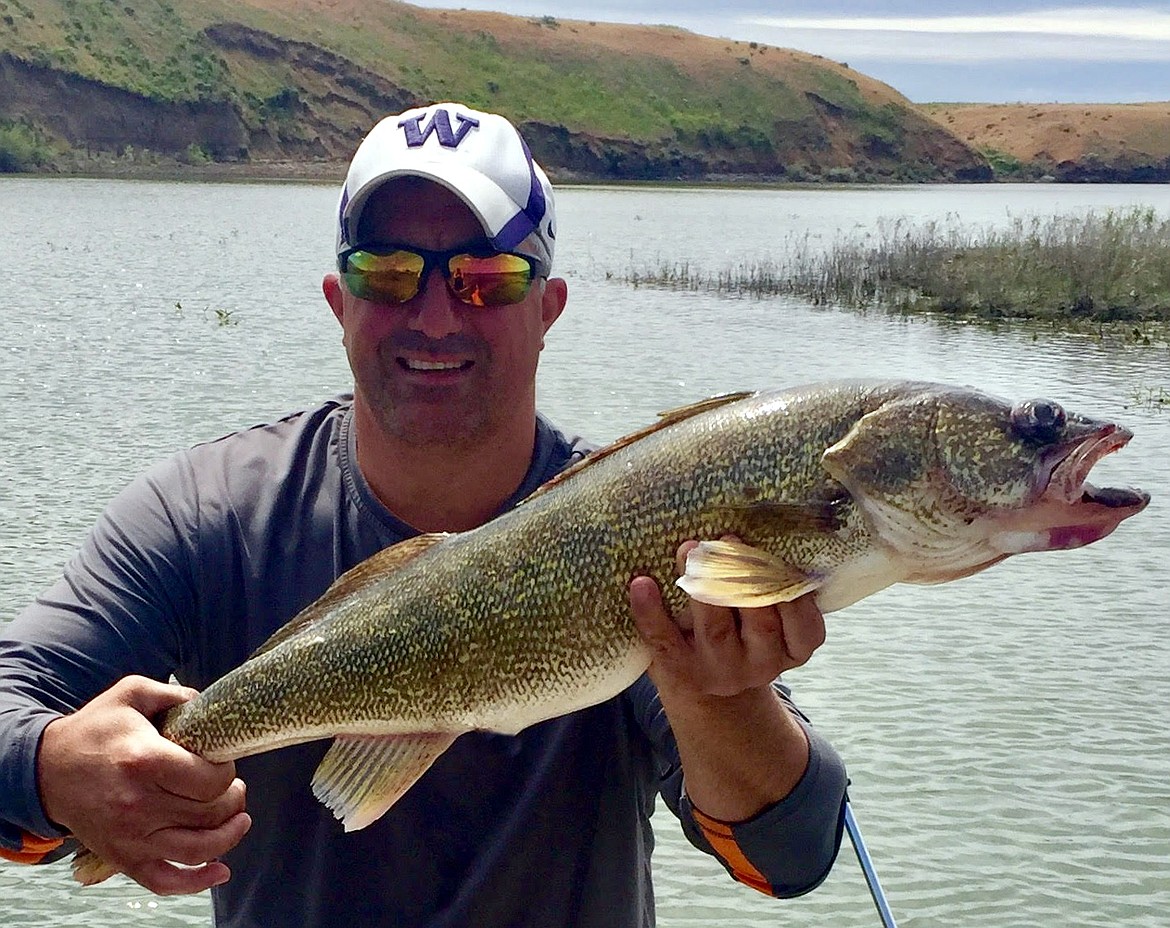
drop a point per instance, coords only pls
(1041, 420)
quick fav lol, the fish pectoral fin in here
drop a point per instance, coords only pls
(362, 776)
(730, 573)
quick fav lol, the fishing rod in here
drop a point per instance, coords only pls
(871, 877)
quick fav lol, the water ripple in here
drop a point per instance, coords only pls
(1008, 735)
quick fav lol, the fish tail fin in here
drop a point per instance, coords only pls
(362, 776)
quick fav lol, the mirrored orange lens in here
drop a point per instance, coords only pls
(396, 276)
(495, 280)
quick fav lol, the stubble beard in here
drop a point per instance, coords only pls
(445, 416)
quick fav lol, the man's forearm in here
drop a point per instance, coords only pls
(740, 754)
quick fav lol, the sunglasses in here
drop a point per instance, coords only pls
(394, 274)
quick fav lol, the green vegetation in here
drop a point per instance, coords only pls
(225, 317)
(195, 154)
(1106, 267)
(1007, 167)
(145, 46)
(221, 317)
(1149, 397)
(303, 79)
(22, 149)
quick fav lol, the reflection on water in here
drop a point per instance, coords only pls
(1007, 735)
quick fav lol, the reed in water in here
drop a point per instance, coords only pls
(1111, 266)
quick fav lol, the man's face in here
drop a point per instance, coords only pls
(434, 370)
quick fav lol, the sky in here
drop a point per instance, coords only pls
(973, 51)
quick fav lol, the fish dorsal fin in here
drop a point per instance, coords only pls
(665, 419)
(361, 776)
(730, 573)
(384, 562)
(680, 413)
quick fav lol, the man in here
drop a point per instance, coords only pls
(445, 243)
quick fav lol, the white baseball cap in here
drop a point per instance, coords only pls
(478, 156)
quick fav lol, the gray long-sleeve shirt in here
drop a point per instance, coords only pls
(200, 559)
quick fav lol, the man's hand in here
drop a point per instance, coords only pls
(714, 651)
(139, 801)
(741, 749)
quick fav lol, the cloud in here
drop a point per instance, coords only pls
(1070, 34)
(990, 50)
(1119, 23)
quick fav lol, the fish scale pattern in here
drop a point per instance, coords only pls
(526, 617)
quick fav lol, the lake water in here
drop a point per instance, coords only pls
(1008, 735)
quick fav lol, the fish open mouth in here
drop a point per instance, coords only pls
(1070, 512)
(1068, 478)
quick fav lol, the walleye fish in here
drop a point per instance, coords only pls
(840, 488)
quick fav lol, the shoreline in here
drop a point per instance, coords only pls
(333, 172)
(311, 172)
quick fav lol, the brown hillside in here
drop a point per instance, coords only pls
(699, 55)
(1070, 141)
(696, 53)
(275, 82)
(813, 131)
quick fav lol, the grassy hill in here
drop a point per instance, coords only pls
(92, 84)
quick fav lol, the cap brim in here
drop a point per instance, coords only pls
(491, 205)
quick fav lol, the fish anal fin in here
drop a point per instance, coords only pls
(665, 420)
(374, 567)
(89, 869)
(362, 776)
(730, 573)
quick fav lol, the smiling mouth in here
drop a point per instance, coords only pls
(417, 365)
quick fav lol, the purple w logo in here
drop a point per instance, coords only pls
(440, 125)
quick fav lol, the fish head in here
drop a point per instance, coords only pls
(955, 480)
